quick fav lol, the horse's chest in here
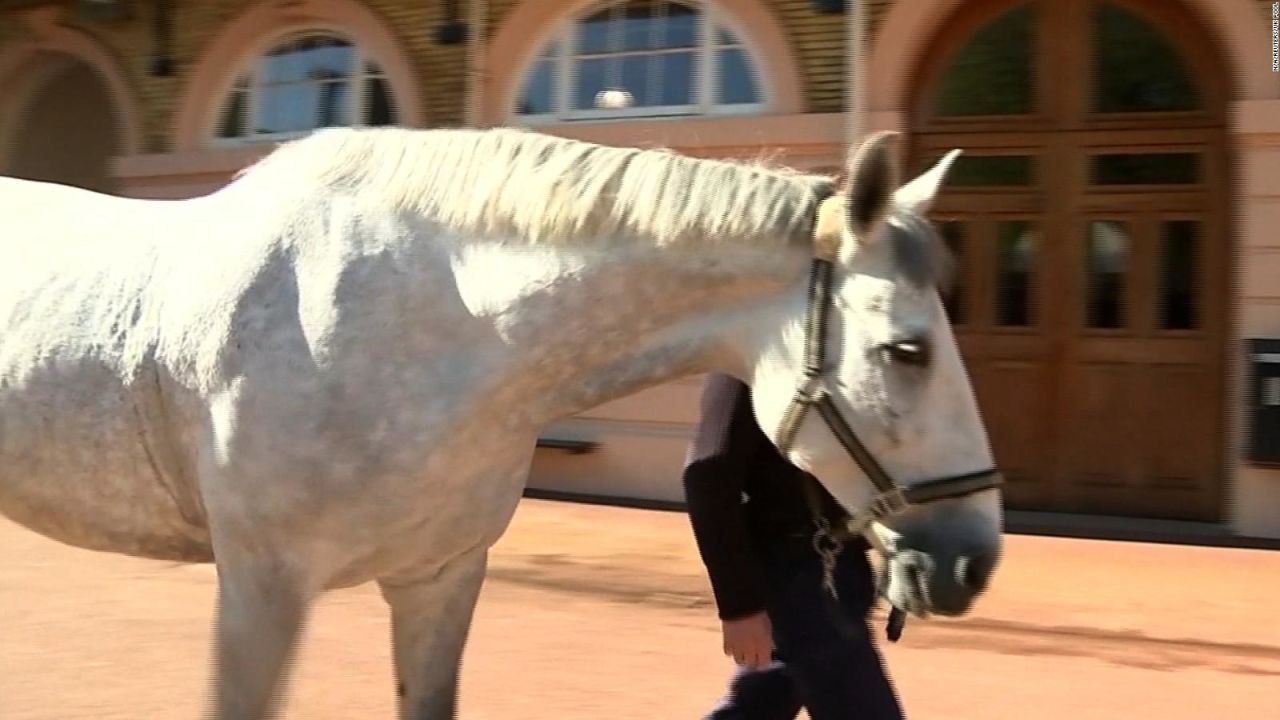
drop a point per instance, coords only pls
(461, 500)
(75, 465)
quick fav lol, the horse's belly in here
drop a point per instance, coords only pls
(76, 466)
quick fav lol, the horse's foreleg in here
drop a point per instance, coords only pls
(261, 608)
(430, 619)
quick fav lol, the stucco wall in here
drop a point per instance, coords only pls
(1256, 506)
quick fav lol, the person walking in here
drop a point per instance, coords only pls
(754, 532)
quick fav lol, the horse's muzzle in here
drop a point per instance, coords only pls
(942, 584)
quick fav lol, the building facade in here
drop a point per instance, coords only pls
(1113, 214)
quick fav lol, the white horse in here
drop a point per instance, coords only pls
(334, 370)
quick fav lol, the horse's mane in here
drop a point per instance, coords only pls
(540, 189)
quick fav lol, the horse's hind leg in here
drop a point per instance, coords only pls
(430, 619)
(262, 604)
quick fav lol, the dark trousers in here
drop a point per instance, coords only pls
(834, 672)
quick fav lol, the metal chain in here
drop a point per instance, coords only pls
(828, 548)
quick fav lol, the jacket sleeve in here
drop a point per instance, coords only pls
(721, 453)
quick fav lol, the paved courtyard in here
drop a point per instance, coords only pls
(594, 612)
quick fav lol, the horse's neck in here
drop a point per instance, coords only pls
(586, 327)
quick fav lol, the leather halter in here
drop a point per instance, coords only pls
(892, 499)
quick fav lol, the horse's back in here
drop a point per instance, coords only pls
(74, 266)
(54, 215)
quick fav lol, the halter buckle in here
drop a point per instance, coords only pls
(886, 504)
(811, 390)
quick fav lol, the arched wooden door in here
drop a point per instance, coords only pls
(1088, 217)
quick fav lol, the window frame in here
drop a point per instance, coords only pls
(248, 70)
(706, 85)
(1069, 109)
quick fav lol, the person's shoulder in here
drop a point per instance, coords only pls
(722, 385)
(722, 409)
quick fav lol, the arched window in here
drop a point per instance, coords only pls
(304, 83)
(643, 58)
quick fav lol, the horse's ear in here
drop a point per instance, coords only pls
(917, 195)
(873, 176)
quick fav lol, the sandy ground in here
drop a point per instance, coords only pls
(593, 612)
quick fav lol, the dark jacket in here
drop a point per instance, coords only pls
(742, 496)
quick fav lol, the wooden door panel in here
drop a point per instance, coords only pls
(1141, 440)
(1144, 351)
(1014, 399)
(1180, 440)
(1100, 440)
(980, 347)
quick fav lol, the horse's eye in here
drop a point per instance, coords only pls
(910, 352)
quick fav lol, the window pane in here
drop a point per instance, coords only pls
(677, 79)
(1179, 302)
(591, 79)
(332, 102)
(991, 74)
(1107, 265)
(628, 46)
(639, 26)
(232, 122)
(1015, 263)
(681, 27)
(539, 90)
(378, 106)
(283, 108)
(310, 57)
(953, 234)
(635, 77)
(737, 84)
(281, 65)
(1136, 67)
(593, 33)
(1146, 169)
(328, 61)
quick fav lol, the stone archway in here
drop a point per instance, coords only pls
(66, 108)
(63, 127)
(910, 27)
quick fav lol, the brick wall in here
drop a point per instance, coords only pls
(818, 42)
(198, 23)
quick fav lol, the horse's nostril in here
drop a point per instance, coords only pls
(974, 571)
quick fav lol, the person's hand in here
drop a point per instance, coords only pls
(749, 640)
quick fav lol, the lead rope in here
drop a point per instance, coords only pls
(828, 545)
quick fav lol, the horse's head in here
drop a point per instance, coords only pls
(887, 401)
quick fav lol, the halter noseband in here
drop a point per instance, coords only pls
(891, 499)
